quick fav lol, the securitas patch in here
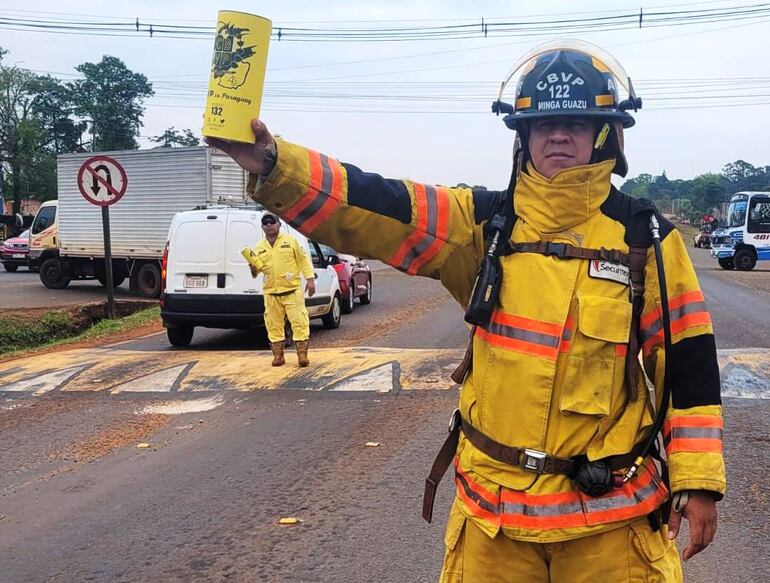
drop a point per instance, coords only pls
(607, 270)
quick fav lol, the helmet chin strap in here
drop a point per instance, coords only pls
(601, 142)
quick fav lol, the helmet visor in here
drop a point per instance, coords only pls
(588, 49)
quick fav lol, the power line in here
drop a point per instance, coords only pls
(465, 30)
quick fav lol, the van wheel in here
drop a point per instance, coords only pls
(148, 280)
(53, 274)
(347, 304)
(180, 335)
(334, 317)
(744, 260)
(366, 299)
(10, 267)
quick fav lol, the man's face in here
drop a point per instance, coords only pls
(270, 226)
(560, 142)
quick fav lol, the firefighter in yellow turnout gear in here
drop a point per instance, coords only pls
(282, 260)
(553, 410)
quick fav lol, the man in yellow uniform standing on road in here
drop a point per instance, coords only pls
(283, 260)
(560, 474)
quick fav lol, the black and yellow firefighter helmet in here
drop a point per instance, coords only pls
(571, 78)
(568, 78)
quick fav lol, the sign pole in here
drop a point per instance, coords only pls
(108, 262)
(102, 181)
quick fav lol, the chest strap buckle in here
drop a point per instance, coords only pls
(557, 249)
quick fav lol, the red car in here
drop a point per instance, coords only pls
(15, 252)
(354, 275)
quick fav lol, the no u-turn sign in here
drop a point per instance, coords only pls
(102, 181)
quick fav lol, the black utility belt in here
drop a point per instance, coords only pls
(532, 460)
(594, 478)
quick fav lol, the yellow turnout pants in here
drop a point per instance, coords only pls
(291, 305)
(629, 553)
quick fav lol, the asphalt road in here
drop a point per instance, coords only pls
(80, 502)
(23, 289)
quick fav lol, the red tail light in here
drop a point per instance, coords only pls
(164, 268)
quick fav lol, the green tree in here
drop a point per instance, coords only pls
(172, 138)
(20, 131)
(743, 176)
(53, 106)
(110, 98)
(708, 192)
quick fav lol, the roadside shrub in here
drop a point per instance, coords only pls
(16, 334)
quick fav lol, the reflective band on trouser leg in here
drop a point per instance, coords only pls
(430, 232)
(296, 311)
(275, 316)
(525, 335)
(687, 311)
(693, 433)
(323, 195)
(571, 509)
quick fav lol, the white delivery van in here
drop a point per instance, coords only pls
(206, 281)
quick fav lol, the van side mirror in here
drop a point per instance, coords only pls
(334, 260)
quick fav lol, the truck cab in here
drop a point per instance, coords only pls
(44, 234)
(745, 239)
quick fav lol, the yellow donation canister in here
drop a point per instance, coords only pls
(250, 256)
(237, 76)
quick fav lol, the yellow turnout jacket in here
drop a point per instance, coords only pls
(549, 369)
(282, 264)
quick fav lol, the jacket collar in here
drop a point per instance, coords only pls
(568, 199)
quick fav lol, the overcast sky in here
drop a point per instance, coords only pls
(421, 109)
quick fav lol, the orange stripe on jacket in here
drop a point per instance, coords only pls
(570, 509)
(517, 345)
(416, 235)
(693, 433)
(442, 226)
(316, 176)
(678, 326)
(333, 201)
(527, 323)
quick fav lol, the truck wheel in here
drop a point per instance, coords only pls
(117, 279)
(333, 318)
(366, 299)
(180, 336)
(148, 280)
(726, 263)
(53, 274)
(347, 303)
(745, 260)
(10, 267)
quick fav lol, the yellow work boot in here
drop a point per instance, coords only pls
(277, 348)
(302, 352)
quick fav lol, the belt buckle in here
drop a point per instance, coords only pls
(534, 461)
(454, 420)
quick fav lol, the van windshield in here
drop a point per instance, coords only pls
(736, 213)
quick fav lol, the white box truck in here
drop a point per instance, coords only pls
(66, 241)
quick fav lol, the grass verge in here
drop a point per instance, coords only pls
(22, 334)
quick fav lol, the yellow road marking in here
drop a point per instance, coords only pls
(119, 370)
